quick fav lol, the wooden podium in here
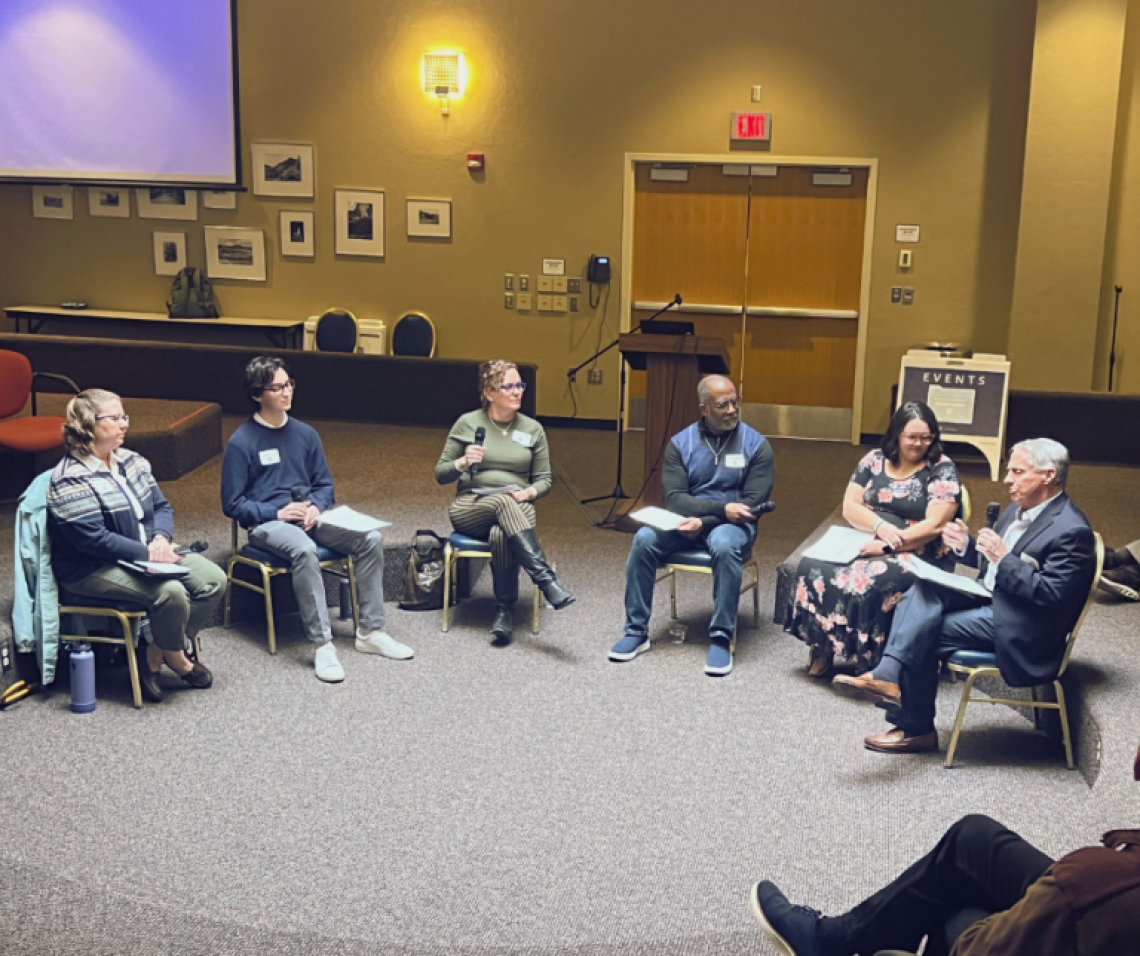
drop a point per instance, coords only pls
(675, 364)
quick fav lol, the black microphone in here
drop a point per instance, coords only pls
(993, 511)
(480, 435)
(677, 300)
(196, 548)
(297, 493)
(763, 508)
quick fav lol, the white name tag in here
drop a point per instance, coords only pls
(522, 438)
(271, 456)
(733, 461)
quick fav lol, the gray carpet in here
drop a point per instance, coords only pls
(533, 798)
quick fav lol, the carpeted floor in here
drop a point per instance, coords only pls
(533, 798)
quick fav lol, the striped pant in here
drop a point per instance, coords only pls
(493, 518)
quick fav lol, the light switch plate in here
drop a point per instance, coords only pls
(545, 284)
(574, 285)
(560, 285)
(560, 304)
(523, 299)
(524, 283)
(544, 303)
(508, 300)
(896, 294)
(573, 303)
(908, 295)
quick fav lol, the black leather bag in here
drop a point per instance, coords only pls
(423, 576)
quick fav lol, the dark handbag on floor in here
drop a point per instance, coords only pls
(423, 576)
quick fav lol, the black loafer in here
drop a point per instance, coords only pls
(199, 676)
(148, 681)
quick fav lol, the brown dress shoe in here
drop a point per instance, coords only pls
(897, 742)
(1124, 581)
(865, 687)
(1118, 558)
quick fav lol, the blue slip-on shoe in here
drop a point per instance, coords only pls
(792, 929)
(719, 661)
(629, 647)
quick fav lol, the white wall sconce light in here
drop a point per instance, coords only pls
(444, 77)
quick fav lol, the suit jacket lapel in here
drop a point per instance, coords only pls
(1042, 522)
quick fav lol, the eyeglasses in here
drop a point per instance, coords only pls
(727, 404)
(280, 388)
(117, 419)
(919, 439)
(513, 387)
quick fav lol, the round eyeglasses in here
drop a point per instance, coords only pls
(513, 387)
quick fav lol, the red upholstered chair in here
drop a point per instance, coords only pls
(32, 433)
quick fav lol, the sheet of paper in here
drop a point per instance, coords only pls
(959, 582)
(657, 518)
(158, 568)
(839, 545)
(349, 519)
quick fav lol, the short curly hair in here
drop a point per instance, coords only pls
(79, 424)
(491, 375)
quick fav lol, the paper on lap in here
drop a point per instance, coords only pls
(657, 518)
(348, 519)
(158, 568)
(958, 582)
(839, 545)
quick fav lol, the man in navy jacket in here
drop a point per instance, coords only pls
(276, 483)
(1040, 561)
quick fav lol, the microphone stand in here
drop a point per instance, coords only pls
(618, 494)
(1112, 350)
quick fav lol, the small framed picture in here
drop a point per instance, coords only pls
(283, 169)
(53, 202)
(169, 253)
(219, 199)
(233, 252)
(109, 202)
(359, 217)
(429, 218)
(297, 233)
(167, 202)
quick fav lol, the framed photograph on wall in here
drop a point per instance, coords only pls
(53, 202)
(283, 169)
(233, 252)
(429, 218)
(297, 233)
(219, 199)
(169, 253)
(109, 202)
(167, 202)
(359, 218)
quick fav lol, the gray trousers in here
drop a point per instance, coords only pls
(176, 607)
(299, 548)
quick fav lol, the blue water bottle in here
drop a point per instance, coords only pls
(82, 678)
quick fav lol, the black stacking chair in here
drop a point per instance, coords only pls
(338, 331)
(414, 334)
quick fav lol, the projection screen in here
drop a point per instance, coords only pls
(119, 91)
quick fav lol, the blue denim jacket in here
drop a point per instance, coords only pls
(35, 608)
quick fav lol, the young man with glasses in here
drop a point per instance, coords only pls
(715, 473)
(275, 483)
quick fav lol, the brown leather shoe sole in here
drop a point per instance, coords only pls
(1116, 587)
(893, 742)
(868, 689)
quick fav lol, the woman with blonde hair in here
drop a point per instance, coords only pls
(105, 508)
(501, 461)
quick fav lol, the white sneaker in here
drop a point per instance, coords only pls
(326, 663)
(380, 642)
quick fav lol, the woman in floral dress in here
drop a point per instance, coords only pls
(903, 494)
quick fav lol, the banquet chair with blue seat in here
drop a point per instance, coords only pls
(338, 331)
(974, 664)
(414, 334)
(698, 559)
(129, 618)
(269, 566)
(464, 546)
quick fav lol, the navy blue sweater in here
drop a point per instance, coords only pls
(262, 465)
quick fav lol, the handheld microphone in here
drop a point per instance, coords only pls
(196, 548)
(765, 507)
(993, 511)
(480, 436)
(297, 493)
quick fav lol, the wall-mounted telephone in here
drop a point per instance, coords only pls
(598, 270)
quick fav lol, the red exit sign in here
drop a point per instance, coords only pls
(753, 126)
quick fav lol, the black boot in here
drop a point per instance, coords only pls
(528, 552)
(506, 585)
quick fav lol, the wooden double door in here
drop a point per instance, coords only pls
(773, 265)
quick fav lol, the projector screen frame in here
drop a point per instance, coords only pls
(237, 186)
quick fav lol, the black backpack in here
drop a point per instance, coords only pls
(191, 296)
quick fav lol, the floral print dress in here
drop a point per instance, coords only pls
(848, 608)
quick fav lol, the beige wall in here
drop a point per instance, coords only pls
(559, 93)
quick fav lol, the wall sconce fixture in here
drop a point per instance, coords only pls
(444, 76)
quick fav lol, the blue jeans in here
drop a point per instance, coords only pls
(729, 545)
(932, 622)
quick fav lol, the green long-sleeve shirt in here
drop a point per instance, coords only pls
(521, 457)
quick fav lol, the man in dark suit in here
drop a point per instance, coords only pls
(1041, 561)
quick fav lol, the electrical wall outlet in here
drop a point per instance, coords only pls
(545, 284)
(509, 281)
(524, 283)
(896, 294)
(523, 300)
(509, 300)
(573, 303)
(574, 285)
(594, 377)
(544, 303)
